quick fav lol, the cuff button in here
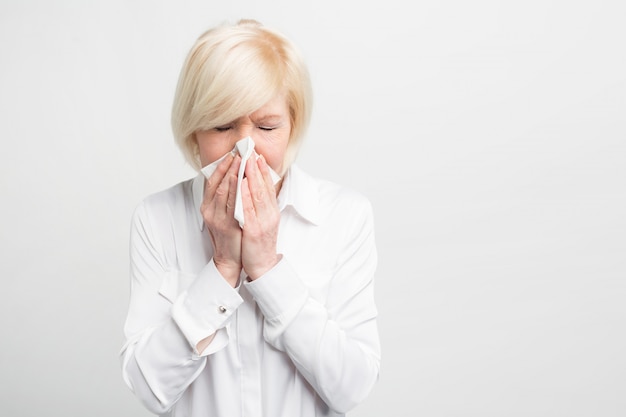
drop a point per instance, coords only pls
(221, 309)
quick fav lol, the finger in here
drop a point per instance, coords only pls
(211, 184)
(232, 193)
(226, 187)
(249, 211)
(260, 204)
(264, 168)
(256, 184)
(252, 171)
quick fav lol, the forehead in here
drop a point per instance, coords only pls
(276, 107)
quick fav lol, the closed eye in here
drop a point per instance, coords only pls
(266, 128)
(223, 128)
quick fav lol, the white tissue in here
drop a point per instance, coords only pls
(245, 148)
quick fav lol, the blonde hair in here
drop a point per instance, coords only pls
(233, 70)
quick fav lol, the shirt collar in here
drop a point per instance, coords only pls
(299, 191)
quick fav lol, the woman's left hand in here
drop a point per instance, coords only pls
(262, 218)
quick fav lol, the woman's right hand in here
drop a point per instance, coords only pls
(218, 212)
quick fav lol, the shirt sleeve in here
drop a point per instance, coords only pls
(335, 345)
(169, 313)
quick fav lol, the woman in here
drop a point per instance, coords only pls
(270, 316)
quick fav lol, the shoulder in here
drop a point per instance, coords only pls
(342, 217)
(336, 202)
(166, 203)
(336, 198)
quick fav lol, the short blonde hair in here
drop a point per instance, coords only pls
(233, 70)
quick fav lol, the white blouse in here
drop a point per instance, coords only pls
(301, 340)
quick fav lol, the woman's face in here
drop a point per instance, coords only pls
(269, 127)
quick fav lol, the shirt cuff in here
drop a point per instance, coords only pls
(206, 308)
(280, 294)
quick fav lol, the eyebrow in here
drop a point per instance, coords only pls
(268, 118)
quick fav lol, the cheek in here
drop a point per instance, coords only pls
(273, 147)
(274, 155)
(273, 161)
(211, 150)
(210, 155)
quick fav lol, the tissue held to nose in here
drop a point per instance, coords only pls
(245, 149)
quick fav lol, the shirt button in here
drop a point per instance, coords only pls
(221, 309)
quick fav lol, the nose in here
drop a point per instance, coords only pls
(245, 130)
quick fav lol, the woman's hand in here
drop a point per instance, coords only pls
(218, 210)
(262, 218)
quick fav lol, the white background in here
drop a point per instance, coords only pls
(490, 137)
